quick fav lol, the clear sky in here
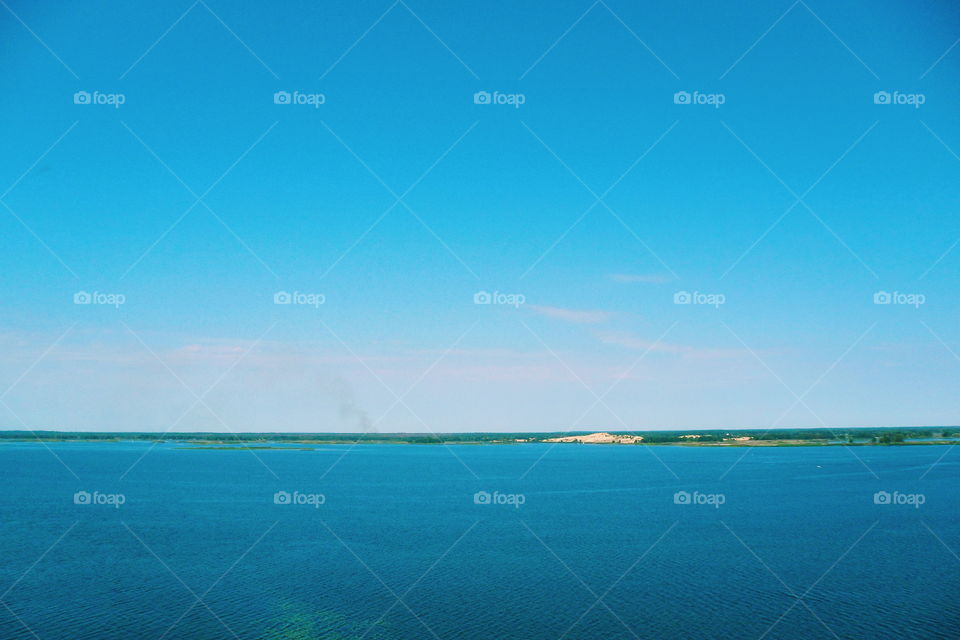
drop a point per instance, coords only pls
(587, 162)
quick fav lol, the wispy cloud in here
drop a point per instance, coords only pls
(630, 341)
(650, 278)
(580, 316)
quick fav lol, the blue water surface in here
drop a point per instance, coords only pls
(528, 541)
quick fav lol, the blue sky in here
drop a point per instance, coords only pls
(596, 200)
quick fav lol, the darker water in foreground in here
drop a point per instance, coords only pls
(399, 549)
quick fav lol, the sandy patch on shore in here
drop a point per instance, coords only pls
(601, 437)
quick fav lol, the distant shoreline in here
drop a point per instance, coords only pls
(860, 436)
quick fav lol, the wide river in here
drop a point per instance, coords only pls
(131, 540)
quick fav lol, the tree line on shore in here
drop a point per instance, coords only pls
(862, 435)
